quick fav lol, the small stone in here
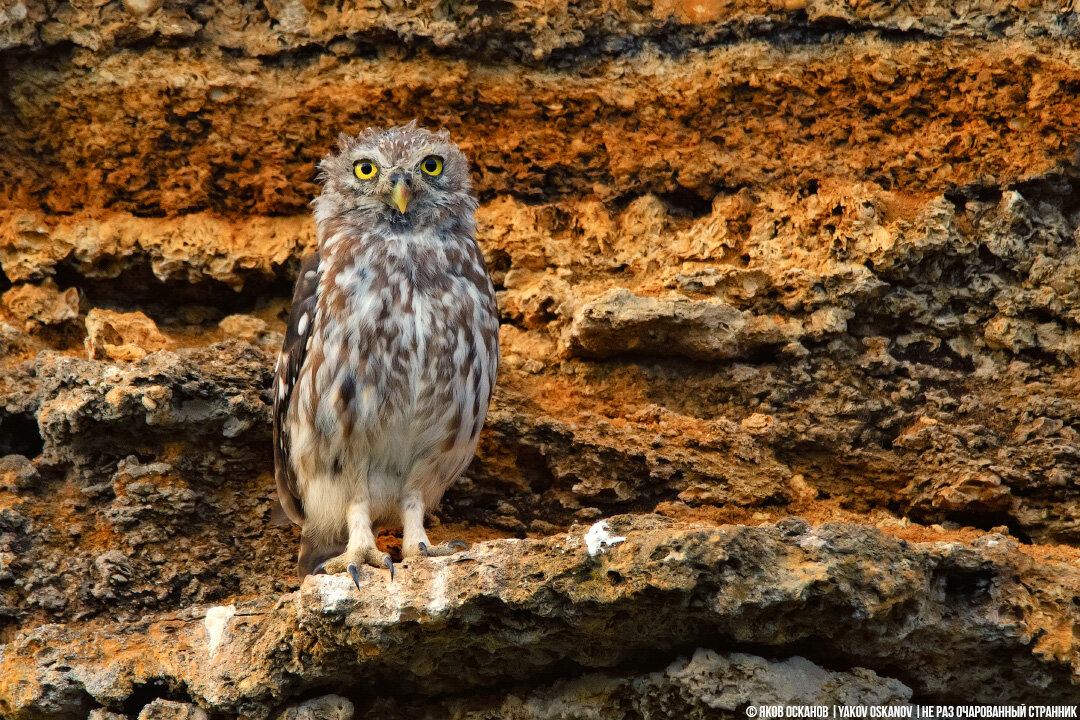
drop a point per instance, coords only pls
(17, 473)
(799, 490)
(793, 526)
(103, 714)
(170, 710)
(252, 329)
(544, 527)
(327, 707)
(1006, 333)
(16, 11)
(795, 349)
(196, 314)
(245, 327)
(532, 366)
(121, 336)
(983, 491)
(142, 8)
(36, 306)
(11, 520)
(759, 424)
(48, 598)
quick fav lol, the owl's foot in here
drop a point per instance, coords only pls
(349, 561)
(442, 549)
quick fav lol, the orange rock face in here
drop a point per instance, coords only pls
(754, 259)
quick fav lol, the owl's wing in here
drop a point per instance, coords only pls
(290, 361)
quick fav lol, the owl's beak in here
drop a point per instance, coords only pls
(400, 195)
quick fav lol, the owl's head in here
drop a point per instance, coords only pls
(403, 176)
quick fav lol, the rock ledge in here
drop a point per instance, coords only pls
(983, 621)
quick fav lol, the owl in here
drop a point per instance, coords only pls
(391, 352)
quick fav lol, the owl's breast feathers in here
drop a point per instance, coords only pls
(401, 361)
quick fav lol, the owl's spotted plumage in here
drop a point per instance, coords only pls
(390, 356)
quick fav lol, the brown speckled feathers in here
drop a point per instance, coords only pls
(390, 358)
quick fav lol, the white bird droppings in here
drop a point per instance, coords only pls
(812, 542)
(598, 538)
(216, 620)
(439, 599)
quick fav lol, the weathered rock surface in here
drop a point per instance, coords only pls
(705, 685)
(327, 707)
(527, 30)
(753, 259)
(690, 124)
(150, 474)
(169, 710)
(169, 453)
(121, 336)
(38, 306)
(982, 621)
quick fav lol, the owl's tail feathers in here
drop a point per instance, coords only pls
(312, 557)
(278, 516)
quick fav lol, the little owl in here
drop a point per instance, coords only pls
(390, 355)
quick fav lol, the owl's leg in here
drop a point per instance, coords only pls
(361, 549)
(414, 541)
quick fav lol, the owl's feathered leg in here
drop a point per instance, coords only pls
(414, 541)
(361, 549)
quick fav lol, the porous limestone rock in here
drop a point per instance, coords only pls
(703, 686)
(252, 329)
(121, 336)
(159, 709)
(983, 621)
(37, 306)
(327, 707)
(752, 258)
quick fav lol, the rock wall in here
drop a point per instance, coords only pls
(754, 260)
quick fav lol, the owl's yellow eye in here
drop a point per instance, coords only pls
(365, 169)
(432, 165)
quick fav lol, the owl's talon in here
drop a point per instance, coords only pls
(355, 575)
(423, 549)
(443, 549)
(350, 562)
